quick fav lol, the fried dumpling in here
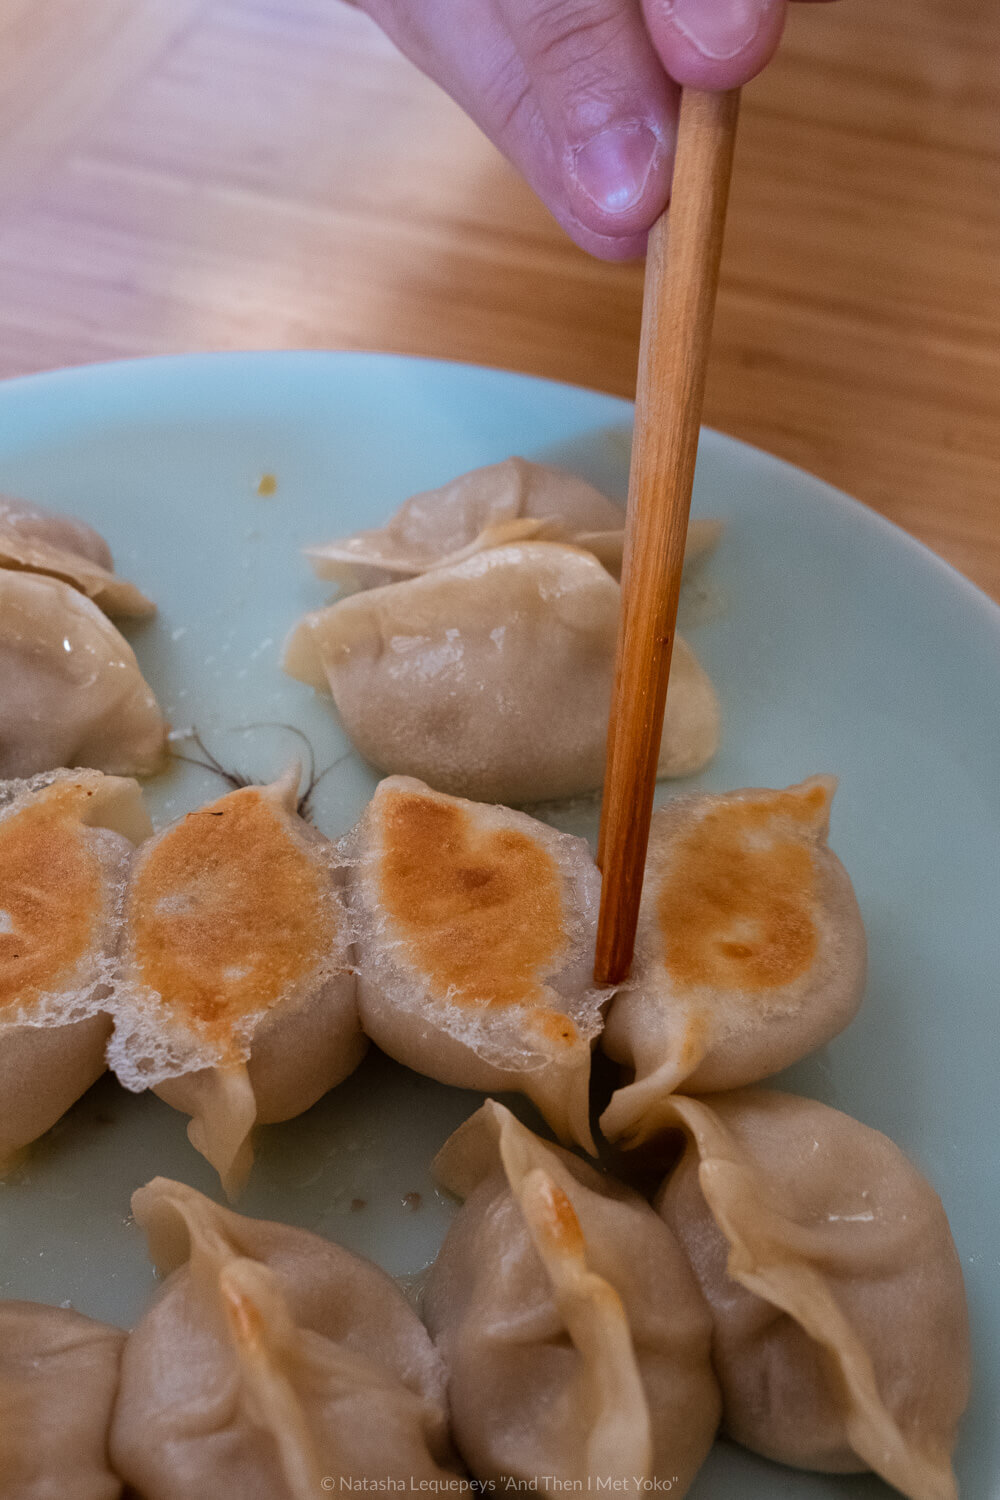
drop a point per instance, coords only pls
(70, 686)
(236, 997)
(492, 678)
(475, 930)
(509, 501)
(841, 1336)
(575, 1338)
(750, 951)
(271, 1366)
(58, 1379)
(39, 541)
(66, 842)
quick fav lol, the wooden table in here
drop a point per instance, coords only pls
(218, 174)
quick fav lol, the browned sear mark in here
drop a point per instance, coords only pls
(736, 907)
(556, 1220)
(51, 895)
(245, 1318)
(227, 912)
(480, 910)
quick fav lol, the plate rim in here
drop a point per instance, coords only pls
(146, 373)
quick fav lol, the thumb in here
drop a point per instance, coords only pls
(607, 106)
(714, 44)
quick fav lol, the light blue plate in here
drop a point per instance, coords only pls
(837, 644)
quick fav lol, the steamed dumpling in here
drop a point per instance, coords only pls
(271, 1365)
(492, 678)
(58, 1378)
(750, 949)
(33, 523)
(505, 502)
(475, 930)
(40, 541)
(66, 842)
(840, 1335)
(509, 501)
(575, 1338)
(236, 997)
(70, 686)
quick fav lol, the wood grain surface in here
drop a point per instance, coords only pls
(219, 174)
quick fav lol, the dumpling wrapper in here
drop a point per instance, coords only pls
(34, 523)
(492, 678)
(508, 501)
(841, 1336)
(39, 541)
(58, 1378)
(70, 686)
(270, 1362)
(236, 997)
(66, 842)
(575, 1337)
(475, 929)
(512, 501)
(750, 950)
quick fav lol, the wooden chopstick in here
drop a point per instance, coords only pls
(682, 272)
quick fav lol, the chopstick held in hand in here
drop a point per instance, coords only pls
(682, 272)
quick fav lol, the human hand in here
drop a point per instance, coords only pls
(582, 95)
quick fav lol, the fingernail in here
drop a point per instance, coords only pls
(719, 29)
(612, 168)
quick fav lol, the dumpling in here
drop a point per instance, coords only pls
(236, 997)
(506, 502)
(58, 1379)
(575, 1338)
(70, 685)
(750, 950)
(492, 678)
(272, 1365)
(65, 848)
(509, 501)
(475, 930)
(841, 1336)
(33, 523)
(39, 541)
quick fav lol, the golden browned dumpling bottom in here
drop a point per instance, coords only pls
(489, 923)
(227, 913)
(53, 895)
(737, 905)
